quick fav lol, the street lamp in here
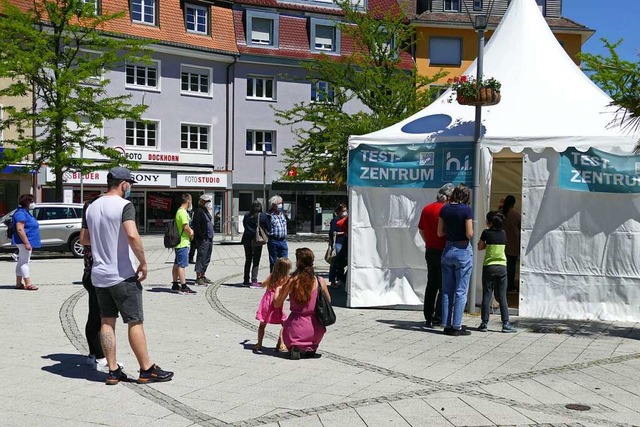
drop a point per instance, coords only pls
(264, 175)
(480, 23)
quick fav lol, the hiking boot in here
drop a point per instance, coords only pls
(508, 328)
(175, 288)
(154, 375)
(207, 280)
(200, 281)
(116, 376)
(185, 290)
(482, 327)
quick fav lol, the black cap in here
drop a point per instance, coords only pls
(122, 174)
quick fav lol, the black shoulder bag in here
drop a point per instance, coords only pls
(324, 311)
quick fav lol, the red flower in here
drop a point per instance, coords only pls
(463, 78)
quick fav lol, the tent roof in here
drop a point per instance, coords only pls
(547, 101)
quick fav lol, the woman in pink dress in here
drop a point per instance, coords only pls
(267, 313)
(302, 332)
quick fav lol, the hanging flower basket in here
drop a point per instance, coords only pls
(470, 91)
(487, 96)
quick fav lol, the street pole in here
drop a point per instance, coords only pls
(81, 175)
(480, 26)
(264, 177)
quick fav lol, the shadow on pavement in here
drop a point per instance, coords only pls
(409, 325)
(577, 327)
(166, 290)
(234, 285)
(9, 287)
(73, 366)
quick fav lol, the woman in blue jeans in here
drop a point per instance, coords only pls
(456, 223)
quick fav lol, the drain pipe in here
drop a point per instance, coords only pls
(229, 150)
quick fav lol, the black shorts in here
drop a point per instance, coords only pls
(124, 298)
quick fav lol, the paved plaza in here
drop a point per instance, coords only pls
(378, 367)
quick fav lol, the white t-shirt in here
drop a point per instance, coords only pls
(113, 259)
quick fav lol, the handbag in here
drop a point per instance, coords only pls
(261, 236)
(324, 311)
(330, 253)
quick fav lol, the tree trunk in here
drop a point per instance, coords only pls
(59, 185)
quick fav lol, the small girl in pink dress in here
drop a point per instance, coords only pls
(267, 313)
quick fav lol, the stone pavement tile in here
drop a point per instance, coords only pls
(345, 417)
(173, 420)
(456, 410)
(382, 415)
(113, 417)
(611, 380)
(496, 413)
(540, 392)
(418, 412)
(248, 411)
(310, 421)
(318, 399)
(507, 391)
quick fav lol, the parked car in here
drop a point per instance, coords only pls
(60, 225)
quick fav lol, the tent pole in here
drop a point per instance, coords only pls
(471, 301)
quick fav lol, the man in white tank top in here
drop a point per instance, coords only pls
(114, 239)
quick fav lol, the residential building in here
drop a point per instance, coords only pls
(445, 39)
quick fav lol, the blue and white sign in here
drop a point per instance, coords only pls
(599, 171)
(411, 166)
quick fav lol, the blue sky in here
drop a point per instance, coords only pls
(612, 19)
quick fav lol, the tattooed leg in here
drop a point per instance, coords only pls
(108, 341)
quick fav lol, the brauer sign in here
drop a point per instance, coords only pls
(217, 180)
(411, 166)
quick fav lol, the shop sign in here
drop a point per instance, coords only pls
(599, 171)
(159, 202)
(202, 180)
(411, 166)
(99, 177)
(149, 156)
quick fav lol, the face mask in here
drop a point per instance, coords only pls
(345, 213)
(208, 205)
(32, 206)
(127, 192)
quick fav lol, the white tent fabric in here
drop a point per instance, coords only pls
(548, 105)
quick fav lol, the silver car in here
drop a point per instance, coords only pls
(60, 225)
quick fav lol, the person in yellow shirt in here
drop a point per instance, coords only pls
(179, 283)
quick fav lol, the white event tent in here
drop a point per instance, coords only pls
(580, 250)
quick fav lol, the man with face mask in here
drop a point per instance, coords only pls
(203, 238)
(179, 284)
(113, 235)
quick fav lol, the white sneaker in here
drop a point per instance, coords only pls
(102, 365)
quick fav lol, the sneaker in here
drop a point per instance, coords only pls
(294, 353)
(175, 287)
(256, 285)
(456, 332)
(206, 280)
(482, 327)
(101, 365)
(185, 290)
(428, 324)
(508, 328)
(200, 281)
(154, 375)
(116, 376)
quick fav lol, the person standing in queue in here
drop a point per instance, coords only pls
(26, 237)
(181, 262)
(512, 226)
(277, 231)
(252, 253)
(203, 237)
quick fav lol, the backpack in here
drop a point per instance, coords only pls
(171, 235)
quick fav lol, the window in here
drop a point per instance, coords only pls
(144, 11)
(142, 134)
(452, 5)
(260, 88)
(437, 91)
(325, 37)
(194, 137)
(96, 5)
(445, 51)
(86, 58)
(259, 140)
(195, 80)
(197, 19)
(542, 4)
(143, 75)
(477, 5)
(52, 213)
(262, 29)
(322, 92)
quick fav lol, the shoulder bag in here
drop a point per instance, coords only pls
(261, 237)
(330, 253)
(324, 311)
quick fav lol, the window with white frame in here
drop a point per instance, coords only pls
(262, 29)
(261, 88)
(477, 5)
(325, 36)
(143, 75)
(85, 58)
(260, 140)
(194, 137)
(452, 5)
(96, 5)
(141, 134)
(144, 11)
(322, 92)
(195, 80)
(196, 18)
(445, 51)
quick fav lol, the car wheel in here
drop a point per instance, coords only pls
(76, 248)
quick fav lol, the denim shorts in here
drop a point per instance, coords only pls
(124, 298)
(182, 257)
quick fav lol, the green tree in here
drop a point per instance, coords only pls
(620, 79)
(57, 53)
(374, 74)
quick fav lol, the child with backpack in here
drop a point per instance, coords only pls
(267, 313)
(494, 271)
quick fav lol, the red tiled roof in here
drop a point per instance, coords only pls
(171, 27)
